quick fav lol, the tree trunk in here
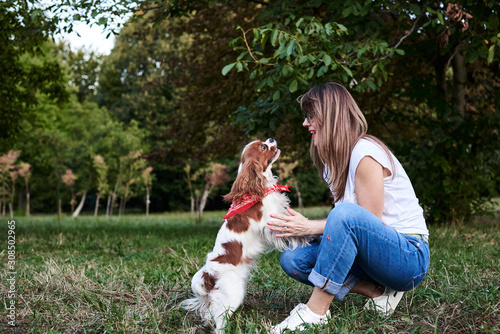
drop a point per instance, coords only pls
(147, 203)
(113, 199)
(73, 200)
(107, 205)
(11, 211)
(80, 206)
(59, 211)
(96, 205)
(299, 195)
(20, 200)
(121, 206)
(125, 199)
(204, 198)
(27, 200)
(459, 80)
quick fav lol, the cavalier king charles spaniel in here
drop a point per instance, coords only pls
(219, 287)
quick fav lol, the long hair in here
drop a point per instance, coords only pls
(340, 124)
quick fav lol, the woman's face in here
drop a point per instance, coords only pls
(311, 125)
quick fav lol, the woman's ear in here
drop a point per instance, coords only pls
(250, 181)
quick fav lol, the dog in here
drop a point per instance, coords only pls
(219, 287)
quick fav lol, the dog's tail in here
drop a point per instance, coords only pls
(199, 301)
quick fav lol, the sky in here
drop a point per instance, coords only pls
(91, 38)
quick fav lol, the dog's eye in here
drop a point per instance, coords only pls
(263, 147)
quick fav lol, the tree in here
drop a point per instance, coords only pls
(8, 176)
(147, 182)
(69, 179)
(131, 168)
(286, 173)
(23, 30)
(214, 175)
(25, 172)
(84, 67)
(101, 170)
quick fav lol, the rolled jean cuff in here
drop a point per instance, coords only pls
(327, 285)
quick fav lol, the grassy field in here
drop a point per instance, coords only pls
(128, 276)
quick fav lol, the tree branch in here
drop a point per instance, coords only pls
(422, 11)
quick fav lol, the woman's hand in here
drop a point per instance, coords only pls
(295, 225)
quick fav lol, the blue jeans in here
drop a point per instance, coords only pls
(357, 245)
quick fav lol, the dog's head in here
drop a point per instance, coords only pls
(254, 172)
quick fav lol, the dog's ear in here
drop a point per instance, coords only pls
(250, 180)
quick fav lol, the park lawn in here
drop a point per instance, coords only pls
(128, 275)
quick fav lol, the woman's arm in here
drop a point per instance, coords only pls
(296, 225)
(369, 185)
(369, 190)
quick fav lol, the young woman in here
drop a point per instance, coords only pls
(375, 241)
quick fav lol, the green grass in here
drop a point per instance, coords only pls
(128, 276)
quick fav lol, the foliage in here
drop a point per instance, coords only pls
(84, 67)
(212, 176)
(444, 48)
(129, 177)
(23, 29)
(102, 174)
(58, 136)
(68, 178)
(9, 172)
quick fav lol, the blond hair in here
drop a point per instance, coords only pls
(340, 124)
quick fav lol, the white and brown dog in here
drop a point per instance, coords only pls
(219, 287)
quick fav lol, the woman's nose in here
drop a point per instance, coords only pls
(306, 123)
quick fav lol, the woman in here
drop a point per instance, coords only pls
(374, 242)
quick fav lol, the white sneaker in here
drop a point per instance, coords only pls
(299, 316)
(386, 303)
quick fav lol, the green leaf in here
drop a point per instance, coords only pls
(491, 53)
(289, 50)
(439, 15)
(303, 59)
(228, 68)
(293, 86)
(415, 9)
(347, 70)
(327, 59)
(274, 37)
(276, 95)
(342, 27)
(270, 82)
(322, 70)
(347, 11)
(400, 52)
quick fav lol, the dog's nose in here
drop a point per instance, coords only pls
(270, 140)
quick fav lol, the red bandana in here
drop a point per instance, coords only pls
(247, 202)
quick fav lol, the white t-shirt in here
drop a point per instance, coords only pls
(401, 208)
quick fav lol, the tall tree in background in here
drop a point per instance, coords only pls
(25, 173)
(101, 170)
(23, 29)
(84, 67)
